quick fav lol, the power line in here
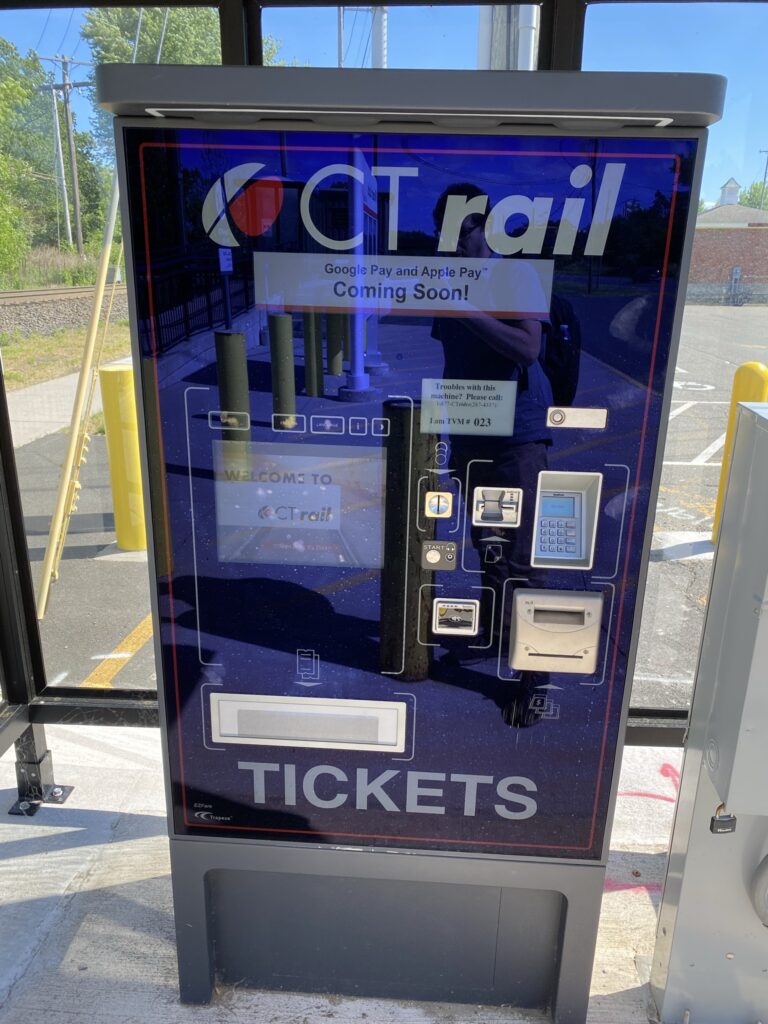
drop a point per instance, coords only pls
(367, 42)
(351, 35)
(45, 26)
(79, 63)
(66, 30)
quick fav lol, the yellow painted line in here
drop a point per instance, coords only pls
(125, 650)
(122, 654)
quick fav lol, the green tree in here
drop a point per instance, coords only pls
(95, 182)
(29, 189)
(756, 196)
(172, 35)
(20, 79)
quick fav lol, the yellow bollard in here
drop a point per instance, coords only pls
(119, 403)
(750, 384)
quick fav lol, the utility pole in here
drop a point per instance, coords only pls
(380, 16)
(60, 165)
(65, 81)
(65, 88)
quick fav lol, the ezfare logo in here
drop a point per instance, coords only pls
(251, 204)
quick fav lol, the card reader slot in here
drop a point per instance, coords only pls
(561, 657)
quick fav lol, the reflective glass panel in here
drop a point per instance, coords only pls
(56, 174)
(726, 318)
(490, 37)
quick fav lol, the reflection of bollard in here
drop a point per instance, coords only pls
(232, 373)
(121, 426)
(234, 399)
(156, 471)
(374, 364)
(313, 355)
(406, 600)
(335, 330)
(347, 336)
(283, 379)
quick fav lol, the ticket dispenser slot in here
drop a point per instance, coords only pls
(565, 521)
(555, 631)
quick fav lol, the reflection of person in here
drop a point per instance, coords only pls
(483, 347)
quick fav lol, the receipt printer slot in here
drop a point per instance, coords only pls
(555, 631)
(560, 617)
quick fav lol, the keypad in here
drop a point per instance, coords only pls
(557, 536)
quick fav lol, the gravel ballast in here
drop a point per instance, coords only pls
(46, 316)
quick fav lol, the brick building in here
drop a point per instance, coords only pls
(729, 262)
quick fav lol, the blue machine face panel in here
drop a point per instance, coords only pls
(402, 397)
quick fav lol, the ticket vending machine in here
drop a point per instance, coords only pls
(405, 345)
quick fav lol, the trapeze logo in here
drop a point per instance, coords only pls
(210, 816)
(240, 199)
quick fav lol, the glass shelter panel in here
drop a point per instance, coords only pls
(398, 555)
(56, 172)
(491, 37)
(726, 316)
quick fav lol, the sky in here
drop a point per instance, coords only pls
(724, 38)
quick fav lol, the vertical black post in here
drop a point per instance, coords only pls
(34, 774)
(227, 303)
(334, 336)
(406, 594)
(155, 468)
(313, 356)
(232, 28)
(232, 372)
(283, 377)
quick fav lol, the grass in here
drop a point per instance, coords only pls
(46, 267)
(41, 357)
(96, 424)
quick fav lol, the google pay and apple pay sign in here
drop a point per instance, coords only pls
(455, 618)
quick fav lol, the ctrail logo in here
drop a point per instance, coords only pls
(241, 199)
(253, 204)
(292, 514)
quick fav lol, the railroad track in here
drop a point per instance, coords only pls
(49, 294)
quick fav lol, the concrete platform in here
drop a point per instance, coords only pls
(86, 920)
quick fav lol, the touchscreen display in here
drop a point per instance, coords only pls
(299, 504)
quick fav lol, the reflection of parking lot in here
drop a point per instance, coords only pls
(715, 340)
